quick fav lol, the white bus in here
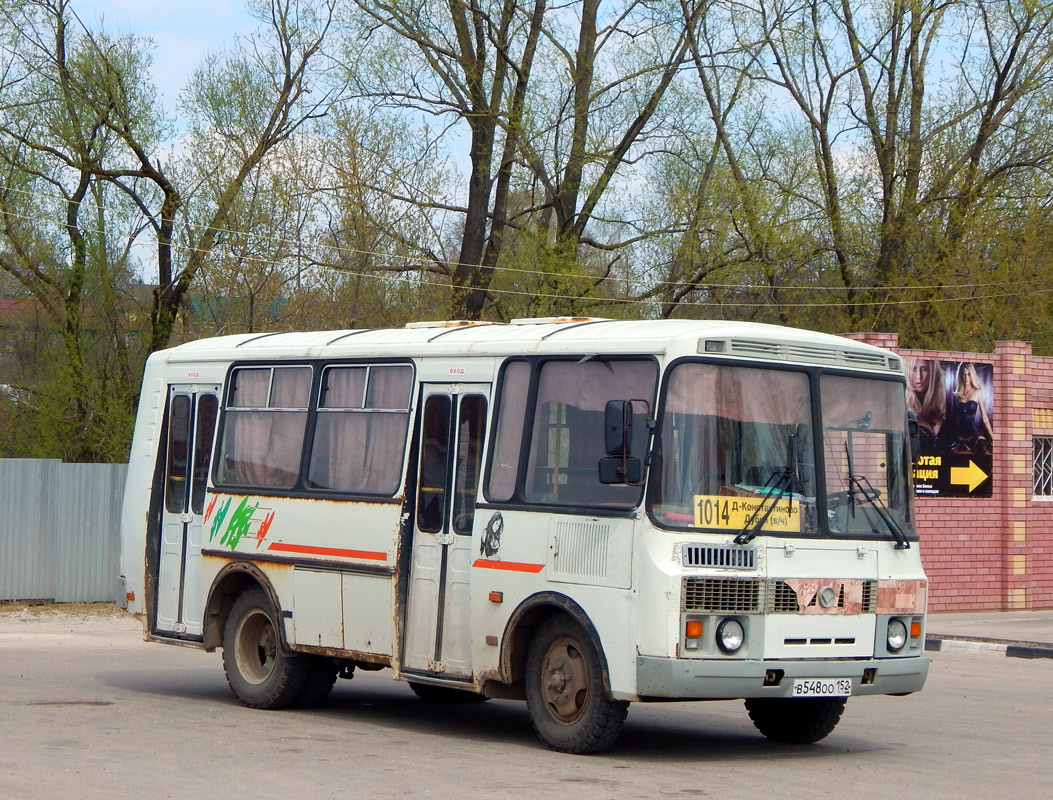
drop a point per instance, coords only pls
(578, 512)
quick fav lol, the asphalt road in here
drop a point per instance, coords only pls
(88, 710)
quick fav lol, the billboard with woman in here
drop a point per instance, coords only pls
(954, 404)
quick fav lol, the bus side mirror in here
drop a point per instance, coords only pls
(912, 433)
(617, 470)
(618, 467)
(618, 427)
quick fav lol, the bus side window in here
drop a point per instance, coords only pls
(264, 426)
(360, 435)
(508, 436)
(568, 434)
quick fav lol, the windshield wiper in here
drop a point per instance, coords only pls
(778, 485)
(873, 496)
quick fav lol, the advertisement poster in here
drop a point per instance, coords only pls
(954, 404)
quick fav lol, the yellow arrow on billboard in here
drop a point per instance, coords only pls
(972, 476)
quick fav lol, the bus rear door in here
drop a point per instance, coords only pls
(192, 412)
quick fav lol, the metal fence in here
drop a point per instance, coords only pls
(59, 526)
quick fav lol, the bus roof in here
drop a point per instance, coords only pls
(549, 336)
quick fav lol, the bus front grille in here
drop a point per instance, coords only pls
(746, 596)
(722, 595)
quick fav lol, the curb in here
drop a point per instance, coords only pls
(1011, 649)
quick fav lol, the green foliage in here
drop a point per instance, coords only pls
(837, 167)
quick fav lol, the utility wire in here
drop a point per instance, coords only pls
(390, 274)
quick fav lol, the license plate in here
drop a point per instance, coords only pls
(822, 687)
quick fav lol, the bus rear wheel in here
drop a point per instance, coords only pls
(796, 720)
(566, 696)
(321, 675)
(259, 671)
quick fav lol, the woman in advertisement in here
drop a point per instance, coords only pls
(926, 397)
(974, 433)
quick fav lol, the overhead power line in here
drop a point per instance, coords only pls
(1027, 287)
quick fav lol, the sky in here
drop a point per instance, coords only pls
(182, 30)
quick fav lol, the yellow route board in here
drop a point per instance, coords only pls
(733, 513)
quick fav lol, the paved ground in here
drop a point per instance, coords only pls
(1027, 634)
(88, 710)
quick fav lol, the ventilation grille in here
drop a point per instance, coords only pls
(808, 353)
(722, 594)
(699, 555)
(781, 599)
(864, 359)
(580, 549)
(748, 595)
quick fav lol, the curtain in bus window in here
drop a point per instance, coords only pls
(508, 440)
(251, 388)
(388, 392)
(389, 386)
(247, 433)
(262, 447)
(359, 448)
(567, 440)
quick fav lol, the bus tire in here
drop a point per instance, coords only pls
(430, 693)
(796, 720)
(258, 670)
(321, 676)
(565, 692)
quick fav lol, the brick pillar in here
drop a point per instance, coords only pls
(1012, 467)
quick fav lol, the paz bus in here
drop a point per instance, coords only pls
(577, 512)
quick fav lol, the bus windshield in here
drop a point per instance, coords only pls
(736, 453)
(865, 456)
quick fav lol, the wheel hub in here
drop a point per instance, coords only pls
(565, 686)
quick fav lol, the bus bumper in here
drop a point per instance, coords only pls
(725, 679)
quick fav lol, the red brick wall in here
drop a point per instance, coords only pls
(993, 553)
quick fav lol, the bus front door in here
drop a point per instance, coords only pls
(192, 412)
(438, 632)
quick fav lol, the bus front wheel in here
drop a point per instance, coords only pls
(259, 671)
(796, 720)
(566, 697)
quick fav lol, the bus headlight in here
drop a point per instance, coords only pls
(897, 635)
(730, 635)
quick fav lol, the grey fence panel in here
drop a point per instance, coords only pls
(59, 530)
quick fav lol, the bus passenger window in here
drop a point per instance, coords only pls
(360, 435)
(264, 427)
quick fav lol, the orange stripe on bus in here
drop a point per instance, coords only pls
(514, 566)
(327, 551)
